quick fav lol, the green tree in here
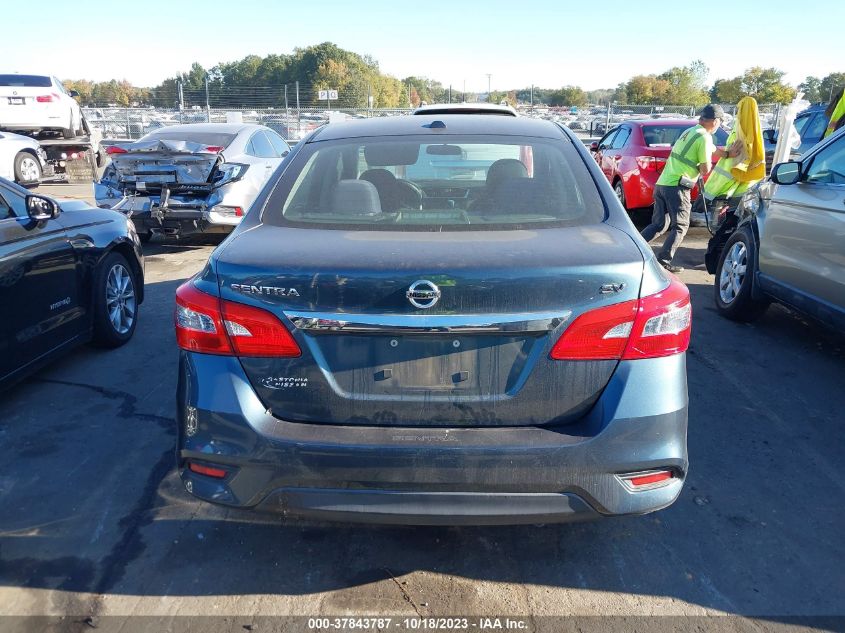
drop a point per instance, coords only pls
(830, 84)
(568, 96)
(811, 88)
(727, 90)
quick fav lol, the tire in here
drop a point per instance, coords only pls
(115, 302)
(734, 276)
(27, 169)
(619, 190)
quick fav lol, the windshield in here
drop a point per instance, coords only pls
(25, 81)
(472, 182)
(666, 135)
(213, 139)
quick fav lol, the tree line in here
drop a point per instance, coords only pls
(256, 81)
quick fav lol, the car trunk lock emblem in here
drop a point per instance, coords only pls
(423, 294)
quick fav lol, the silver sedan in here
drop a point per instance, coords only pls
(21, 158)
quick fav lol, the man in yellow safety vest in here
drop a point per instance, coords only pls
(691, 156)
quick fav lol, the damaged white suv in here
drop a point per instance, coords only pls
(195, 178)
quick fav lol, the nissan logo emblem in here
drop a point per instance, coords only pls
(423, 294)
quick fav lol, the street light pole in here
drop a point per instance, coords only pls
(488, 86)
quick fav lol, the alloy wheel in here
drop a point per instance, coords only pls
(120, 298)
(29, 169)
(733, 272)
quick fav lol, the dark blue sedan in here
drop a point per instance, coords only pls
(442, 319)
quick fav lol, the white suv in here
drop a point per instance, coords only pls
(37, 103)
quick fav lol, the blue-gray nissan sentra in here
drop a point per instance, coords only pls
(442, 319)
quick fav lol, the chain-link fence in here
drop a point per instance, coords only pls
(291, 123)
(294, 123)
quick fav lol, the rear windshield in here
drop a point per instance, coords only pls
(666, 135)
(25, 81)
(213, 139)
(409, 183)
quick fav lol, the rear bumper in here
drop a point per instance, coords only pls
(434, 475)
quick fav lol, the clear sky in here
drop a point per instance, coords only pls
(519, 42)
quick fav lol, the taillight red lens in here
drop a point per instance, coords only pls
(652, 478)
(651, 163)
(209, 471)
(211, 325)
(114, 149)
(199, 324)
(256, 332)
(663, 325)
(649, 327)
(597, 335)
(214, 149)
(47, 98)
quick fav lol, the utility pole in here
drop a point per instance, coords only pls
(532, 96)
(464, 95)
(207, 102)
(410, 105)
(488, 86)
(287, 114)
(450, 93)
(298, 119)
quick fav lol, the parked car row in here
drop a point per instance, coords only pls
(440, 319)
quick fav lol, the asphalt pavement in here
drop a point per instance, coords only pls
(94, 522)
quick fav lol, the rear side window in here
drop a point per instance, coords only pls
(815, 129)
(259, 146)
(278, 144)
(25, 81)
(458, 183)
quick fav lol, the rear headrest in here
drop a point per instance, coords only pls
(355, 197)
(521, 196)
(503, 169)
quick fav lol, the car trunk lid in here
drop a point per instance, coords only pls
(478, 356)
(151, 165)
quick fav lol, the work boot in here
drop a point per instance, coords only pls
(671, 267)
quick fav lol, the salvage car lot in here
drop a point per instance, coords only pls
(95, 521)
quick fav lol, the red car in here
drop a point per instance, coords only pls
(633, 154)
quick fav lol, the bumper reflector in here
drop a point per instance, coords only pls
(217, 473)
(647, 480)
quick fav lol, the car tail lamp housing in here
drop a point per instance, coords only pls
(208, 471)
(650, 327)
(114, 149)
(47, 98)
(651, 163)
(212, 325)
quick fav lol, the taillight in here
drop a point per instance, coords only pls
(114, 149)
(213, 149)
(47, 98)
(649, 327)
(651, 163)
(212, 325)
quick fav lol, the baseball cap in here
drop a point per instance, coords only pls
(712, 111)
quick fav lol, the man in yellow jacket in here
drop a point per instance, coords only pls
(691, 156)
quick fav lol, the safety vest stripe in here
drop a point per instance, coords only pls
(722, 172)
(682, 155)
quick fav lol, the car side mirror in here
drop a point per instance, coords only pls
(73, 93)
(787, 173)
(594, 146)
(770, 135)
(40, 208)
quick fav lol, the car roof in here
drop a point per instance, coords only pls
(219, 128)
(451, 124)
(649, 122)
(466, 108)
